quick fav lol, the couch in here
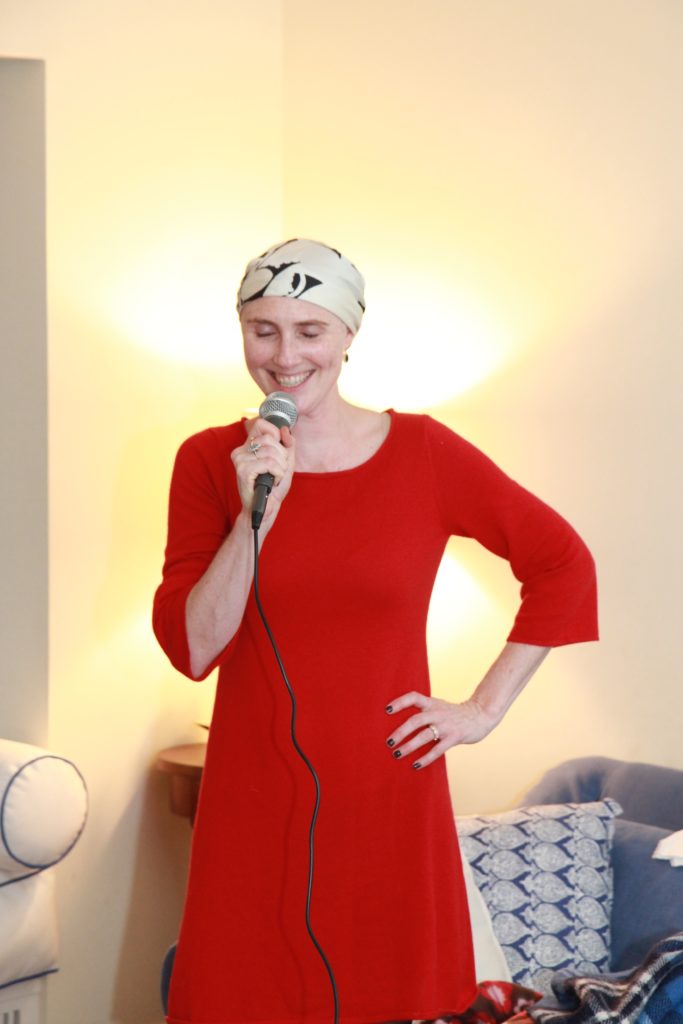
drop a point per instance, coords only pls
(43, 809)
(568, 877)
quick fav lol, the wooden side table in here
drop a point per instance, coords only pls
(184, 764)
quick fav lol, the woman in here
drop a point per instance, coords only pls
(353, 533)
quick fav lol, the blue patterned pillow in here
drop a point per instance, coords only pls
(546, 877)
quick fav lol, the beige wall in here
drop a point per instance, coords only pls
(164, 167)
(518, 165)
(506, 176)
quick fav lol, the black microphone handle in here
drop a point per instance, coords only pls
(262, 488)
(278, 408)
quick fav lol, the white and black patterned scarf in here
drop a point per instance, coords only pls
(303, 269)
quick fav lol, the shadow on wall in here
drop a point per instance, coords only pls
(155, 904)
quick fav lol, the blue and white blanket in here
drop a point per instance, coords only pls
(650, 994)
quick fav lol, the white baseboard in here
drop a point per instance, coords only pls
(23, 1003)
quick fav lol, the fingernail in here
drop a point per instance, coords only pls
(390, 743)
(397, 753)
(416, 765)
(388, 709)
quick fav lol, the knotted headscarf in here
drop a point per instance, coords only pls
(302, 269)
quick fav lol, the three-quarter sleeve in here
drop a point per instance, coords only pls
(556, 570)
(198, 523)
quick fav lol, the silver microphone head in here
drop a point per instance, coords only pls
(280, 409)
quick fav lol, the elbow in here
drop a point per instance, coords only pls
(201, 649)
(560, 599)
(576, 566)
(585, 573)
(199, 662)
(170, 628)
(203, 659)
(207, 638)
(206, 652)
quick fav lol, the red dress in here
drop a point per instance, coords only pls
(346, 575)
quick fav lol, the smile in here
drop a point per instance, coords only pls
(292, 381)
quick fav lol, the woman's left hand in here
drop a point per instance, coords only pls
(436, 727)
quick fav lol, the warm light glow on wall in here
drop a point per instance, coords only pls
(422, 343)
(457, 600)
(175, 304)
(432, 345)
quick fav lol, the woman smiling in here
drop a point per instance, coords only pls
(356, 525)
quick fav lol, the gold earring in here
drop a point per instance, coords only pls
(346, 357)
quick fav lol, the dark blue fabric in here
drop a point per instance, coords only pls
(648, 894)
(666, 1005)
(166, 971)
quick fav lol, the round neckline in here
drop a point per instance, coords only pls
(308, 474)
(328, 474)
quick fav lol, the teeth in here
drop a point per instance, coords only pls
(291, 382)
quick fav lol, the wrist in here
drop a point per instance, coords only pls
(492, 714)
(242, 525)
(243, 528)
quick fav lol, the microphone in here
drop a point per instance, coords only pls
(280, 409)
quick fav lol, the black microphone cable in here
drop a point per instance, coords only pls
(311, 769)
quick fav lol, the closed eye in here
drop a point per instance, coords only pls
(305, 329)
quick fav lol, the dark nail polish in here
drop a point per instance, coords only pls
(390, 743)
(416, 765)
(397, 753)
(388, 709)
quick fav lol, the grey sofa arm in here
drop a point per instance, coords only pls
(647, 793)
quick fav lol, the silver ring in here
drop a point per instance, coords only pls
(435, 732)
(254, 446)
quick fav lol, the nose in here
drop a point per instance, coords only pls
(286, 354)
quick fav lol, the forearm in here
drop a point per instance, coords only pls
(507, 677)
(215, 605)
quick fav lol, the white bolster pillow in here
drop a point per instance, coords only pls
(28, 929)
(43, 807)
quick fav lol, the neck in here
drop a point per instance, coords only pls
(325, 425)
(338, 437)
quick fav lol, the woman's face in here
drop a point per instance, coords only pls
(294, 346)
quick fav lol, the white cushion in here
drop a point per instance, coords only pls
(28, 927)
(489, 960)
(43, 807)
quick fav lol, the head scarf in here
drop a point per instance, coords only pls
(302, 269)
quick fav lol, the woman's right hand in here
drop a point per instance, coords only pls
(275, 454)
